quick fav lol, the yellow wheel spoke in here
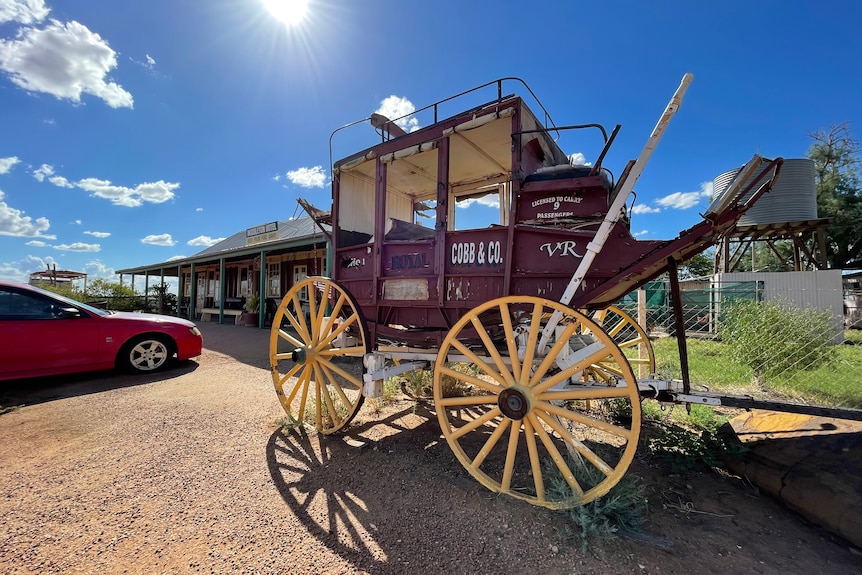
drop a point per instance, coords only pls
(314, 321)
(357, 351)
(306, 383)
(535, 464)
(297, 319)
(290, 339)
(323, 389)
(556, 457)
(582, 449)
(467, 400)
(588, 421)
(510, 341)
(532, 342)
(339, 330)
(348, 376)
(553, 353)
(476, 423)
(511, 452)
(492, 441)
(472, 380)
(478, 362)
(287, 376)
(492, 351)
(334, 383)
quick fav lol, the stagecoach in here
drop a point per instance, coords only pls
(534, 368)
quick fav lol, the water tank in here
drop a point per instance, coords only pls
(793, 198)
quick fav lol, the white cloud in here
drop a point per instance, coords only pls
(640, 233)
(98, 234)
(308, 177)
(685, 200)
(77, 222)
(23, 11)
(394, 107)
(38, 244)
(96, 269)
(149, 62)
(491, 200)
(643, 209)
(204, 241)
(21, 269)
(78, 247)
(680, 200)
(578, 159)
(14, 223)
(173, 258)
(44, 171)
(61, 182)
(199, 209)
(6, 164)
(65, 60)
(153, 192)
(159, 240)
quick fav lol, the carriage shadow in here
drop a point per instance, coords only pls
(343, 488)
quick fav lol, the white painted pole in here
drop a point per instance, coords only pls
(616, 209)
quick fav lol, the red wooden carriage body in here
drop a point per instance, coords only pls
(413, 282)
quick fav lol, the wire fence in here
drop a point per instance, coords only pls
(782, 341)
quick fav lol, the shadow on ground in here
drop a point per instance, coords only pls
(19, 392)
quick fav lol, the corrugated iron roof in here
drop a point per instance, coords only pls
(287, 230)
(292, 231)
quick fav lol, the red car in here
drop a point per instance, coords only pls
(43, 333)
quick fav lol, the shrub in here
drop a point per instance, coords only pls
(774, 336)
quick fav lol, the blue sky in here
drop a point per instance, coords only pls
(136, 132)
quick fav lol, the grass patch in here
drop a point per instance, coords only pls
(288, 423)
(623, 507)
(833, 383)
(853, 336)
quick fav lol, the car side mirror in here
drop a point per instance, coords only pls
(69, 312)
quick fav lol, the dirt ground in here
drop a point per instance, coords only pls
(187, 472)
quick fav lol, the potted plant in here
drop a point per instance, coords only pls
(251, 317)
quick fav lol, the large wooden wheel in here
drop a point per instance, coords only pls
(316, 346)
(511, 413)
(628, 334)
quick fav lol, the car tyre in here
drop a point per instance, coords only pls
(146, 354)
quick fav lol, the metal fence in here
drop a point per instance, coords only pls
(781, 341)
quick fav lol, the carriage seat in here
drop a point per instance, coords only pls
(401, 230)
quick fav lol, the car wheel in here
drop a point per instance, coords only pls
(146, 354)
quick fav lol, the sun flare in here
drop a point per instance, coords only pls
(290, 12)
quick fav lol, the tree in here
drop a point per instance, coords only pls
(836, 160)
(698, 266)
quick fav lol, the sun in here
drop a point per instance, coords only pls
(290, 12)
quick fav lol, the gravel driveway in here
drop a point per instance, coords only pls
(187, 472)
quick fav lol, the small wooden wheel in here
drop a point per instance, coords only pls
(628, 334)
(316, 346)
(491, 381)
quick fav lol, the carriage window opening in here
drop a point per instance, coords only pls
(411, 193)
(480, 207)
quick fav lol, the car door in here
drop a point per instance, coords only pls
(41, 335)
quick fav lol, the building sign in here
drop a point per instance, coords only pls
(261, 234)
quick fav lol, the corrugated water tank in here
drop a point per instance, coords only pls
(793, 198)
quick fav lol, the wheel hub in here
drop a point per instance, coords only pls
(298, 355)
(513, 403)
